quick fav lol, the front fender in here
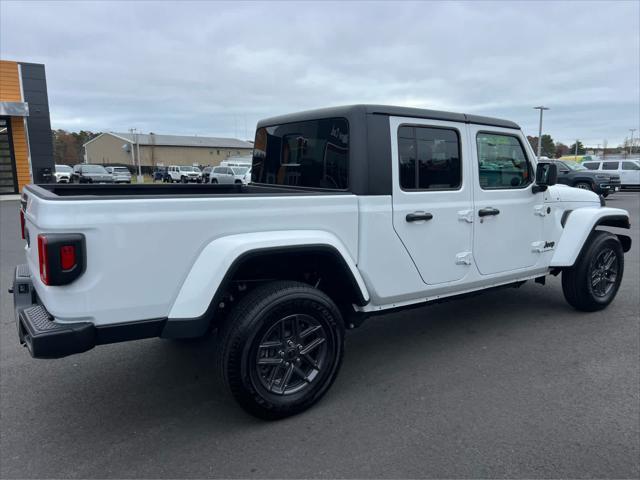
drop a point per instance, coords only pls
(577, 227)
(215, 260)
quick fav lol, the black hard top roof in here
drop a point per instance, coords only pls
(352, 110)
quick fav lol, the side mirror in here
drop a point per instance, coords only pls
(546, 175)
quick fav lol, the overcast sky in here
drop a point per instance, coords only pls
(216, 68)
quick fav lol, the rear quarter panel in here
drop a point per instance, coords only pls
(139, 251)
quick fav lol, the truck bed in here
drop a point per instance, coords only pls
(88, 191)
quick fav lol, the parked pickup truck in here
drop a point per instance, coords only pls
(577, 175)
(352, 211)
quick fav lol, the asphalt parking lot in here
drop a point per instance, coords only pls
(512, 383)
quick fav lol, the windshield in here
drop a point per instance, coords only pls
(63, 169)
(94, 169)
(121, 169)
(574, 165)
(240, 170)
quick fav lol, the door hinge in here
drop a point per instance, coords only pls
(466, 215)
(542, 246)
(463, 258)
(541, 210)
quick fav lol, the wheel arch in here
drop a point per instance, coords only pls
(578, 225)
(223, 259)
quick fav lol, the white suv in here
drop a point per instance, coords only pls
(63, 173)
(184, 174)
(227, 175)
(629, 170)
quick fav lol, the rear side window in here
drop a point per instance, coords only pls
(610, 165)
(313, 153)
(591, 165)
(630, 166)
(502, 162)
(429, 158)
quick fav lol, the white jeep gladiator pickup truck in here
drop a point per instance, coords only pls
(351, 211)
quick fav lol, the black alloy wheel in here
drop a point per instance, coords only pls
(281, 348)
(291, 354)
(604, 272)
(593, 281)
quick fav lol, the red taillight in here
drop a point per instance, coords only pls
(43, 259)
(61, 257)
(67, 257)
(22, 223)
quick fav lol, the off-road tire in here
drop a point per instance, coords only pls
(584, 186)
(242, 341)
(577, 281)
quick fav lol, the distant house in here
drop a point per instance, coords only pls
(162, 150)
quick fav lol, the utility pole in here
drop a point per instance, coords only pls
(541, 108)
(576, 154)
(631, 141)
(135, 145)
(133, 155)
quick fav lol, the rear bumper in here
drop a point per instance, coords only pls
(37, 331)
(46, 338)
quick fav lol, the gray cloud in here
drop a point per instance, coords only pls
(216, 68)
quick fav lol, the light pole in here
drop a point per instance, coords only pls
(541, 108)
(133, 153)
(136, 146)
(631, 141)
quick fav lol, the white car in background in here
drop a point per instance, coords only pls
(184, 174)
(242, 173)
(63, 173)
(226, 175)
(629, 170)
(120, 174)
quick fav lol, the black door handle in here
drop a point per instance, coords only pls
(417, 216)
(485, 212)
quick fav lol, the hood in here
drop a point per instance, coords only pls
(564, 193)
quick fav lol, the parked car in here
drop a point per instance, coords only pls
(243, 173)
(352, 211)
(206, 172)
(627, 170)
(87, 173)
(577, 175)
(75, 176)
(184, 174)
(160, 174)
(63, 173)
(224, 175)
(120, 174)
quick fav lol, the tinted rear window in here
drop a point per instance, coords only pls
(314, 153)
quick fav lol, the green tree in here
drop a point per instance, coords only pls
(548, 148)
(581, 149)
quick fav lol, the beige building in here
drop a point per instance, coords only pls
(162, 150)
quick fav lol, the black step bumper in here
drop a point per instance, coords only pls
(46, 338)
